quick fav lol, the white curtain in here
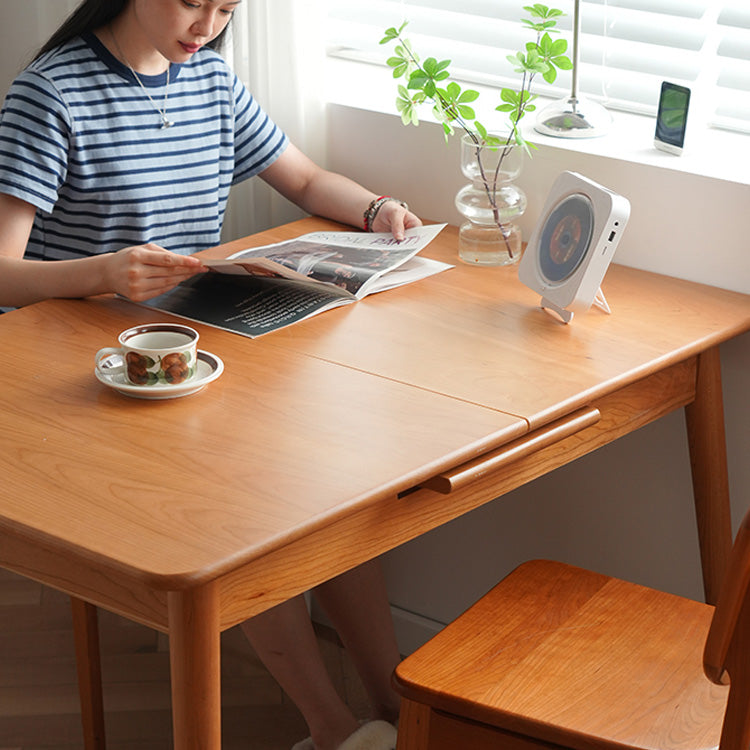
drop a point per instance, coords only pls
(278, 51)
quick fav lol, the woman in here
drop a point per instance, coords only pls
(118, 147)
(125, 135)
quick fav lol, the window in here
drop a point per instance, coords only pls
(627, 47)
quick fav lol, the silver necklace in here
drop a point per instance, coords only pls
(165, 121)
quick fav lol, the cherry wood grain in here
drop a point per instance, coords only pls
(194, 655)
(88, 662)
(280, 445)
(619, 413)
(423, 729)
(558, 654)
(511, 453)
(311, 453)
(570, 657)
(449, 733)
(708, 461)
(480, 335)
(358, 536)
(414, 725)
(725, 657)
(508, 354)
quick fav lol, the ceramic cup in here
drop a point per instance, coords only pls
(154, 354)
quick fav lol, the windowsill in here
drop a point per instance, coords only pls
(709, 152)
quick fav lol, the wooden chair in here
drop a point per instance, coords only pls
(556, 656)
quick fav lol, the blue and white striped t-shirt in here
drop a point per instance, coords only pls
(81, 141)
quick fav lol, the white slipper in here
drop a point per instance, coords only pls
(374, 735)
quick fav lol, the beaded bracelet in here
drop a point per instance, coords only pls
(374, 207)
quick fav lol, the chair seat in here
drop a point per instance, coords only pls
(570, 657)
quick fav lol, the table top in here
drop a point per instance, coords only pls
(479, 334)
(310, 423)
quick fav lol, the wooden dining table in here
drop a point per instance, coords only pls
(324, 444)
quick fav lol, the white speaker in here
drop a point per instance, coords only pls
(572, 245)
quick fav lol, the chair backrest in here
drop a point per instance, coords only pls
(726, 657)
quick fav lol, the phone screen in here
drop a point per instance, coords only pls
(671, 118)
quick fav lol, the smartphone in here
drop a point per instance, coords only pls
(671, 117)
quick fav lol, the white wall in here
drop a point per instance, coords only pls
(626, 509)
(27, 25)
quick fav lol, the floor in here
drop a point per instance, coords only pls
(38, 687)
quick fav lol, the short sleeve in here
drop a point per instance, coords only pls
(258, 141)
(35, 134)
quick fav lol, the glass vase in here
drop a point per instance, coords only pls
(491, 202)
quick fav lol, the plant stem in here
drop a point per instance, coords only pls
(454, 116)
(491, 191)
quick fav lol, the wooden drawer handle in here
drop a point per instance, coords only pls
(541, 438)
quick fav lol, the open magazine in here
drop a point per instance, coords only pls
(263, 289)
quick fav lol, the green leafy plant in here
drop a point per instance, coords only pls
(428, 80)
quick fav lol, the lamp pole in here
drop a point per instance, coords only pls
(574, 116)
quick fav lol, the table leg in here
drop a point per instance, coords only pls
(194, 652)
(88, 663)
(708, 459)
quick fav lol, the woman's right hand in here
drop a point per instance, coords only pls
(139, 272)
(145, 271)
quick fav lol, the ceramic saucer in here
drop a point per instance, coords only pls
(208, 368)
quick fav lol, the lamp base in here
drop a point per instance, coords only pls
(574, 117)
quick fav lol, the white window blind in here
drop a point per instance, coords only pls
(627, 47)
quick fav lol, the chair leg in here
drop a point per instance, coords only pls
(88, 661)
(413, 726)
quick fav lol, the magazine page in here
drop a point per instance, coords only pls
(254, 266)
(349, 260)
(412, 270)
(264, 289)
(248, 305)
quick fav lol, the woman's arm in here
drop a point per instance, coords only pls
(139, 272)
(332, 195)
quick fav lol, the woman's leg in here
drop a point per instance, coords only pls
(284, 639)
(357, 604)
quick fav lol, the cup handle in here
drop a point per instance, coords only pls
(108, 350)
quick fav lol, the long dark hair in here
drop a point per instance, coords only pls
(92, 14)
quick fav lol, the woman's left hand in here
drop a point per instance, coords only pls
(394, 218)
